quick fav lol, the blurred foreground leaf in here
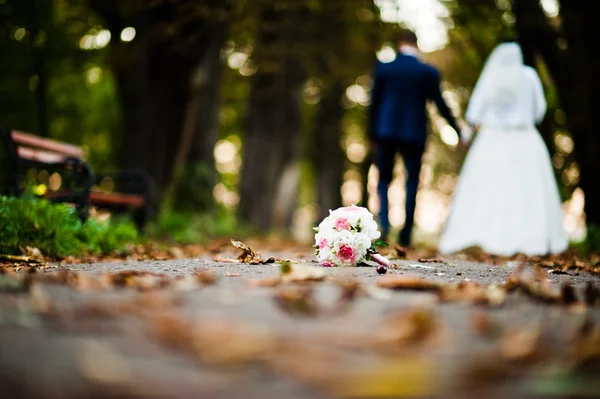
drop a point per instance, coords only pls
(389, 378)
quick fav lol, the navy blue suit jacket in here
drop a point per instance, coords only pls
(399, 97)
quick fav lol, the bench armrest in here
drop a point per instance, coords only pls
(79, 177)
(131, 181)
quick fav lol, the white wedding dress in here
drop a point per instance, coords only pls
(506, 200)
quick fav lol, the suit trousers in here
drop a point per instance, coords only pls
(412, 154)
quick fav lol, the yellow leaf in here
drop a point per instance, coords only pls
(389, 378)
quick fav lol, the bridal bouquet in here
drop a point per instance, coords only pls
(347, 237)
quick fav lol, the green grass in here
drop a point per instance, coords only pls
(56, 230)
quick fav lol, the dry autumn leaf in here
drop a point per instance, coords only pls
(393, 377)
(297, 301)
(405, 328)
(592, 294)
(298, 273)
(248, 255)
(432, 260)
(521, 344)
(265, 282)
(407, 283)
(215, 341)
(483, 324)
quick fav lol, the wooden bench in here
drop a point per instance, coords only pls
(124, 191)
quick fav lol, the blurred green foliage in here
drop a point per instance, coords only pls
(192, 228)
(56, 230)
(591, 243)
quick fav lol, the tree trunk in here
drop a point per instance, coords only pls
(273, 120)
(154, 73)
(329, 157)
(573, 70)
(195, 166)
(40, 57)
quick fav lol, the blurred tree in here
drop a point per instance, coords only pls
(273, 124)
(350, 33)
(168, 84)
(569, 48)
(53, 77)
(334, 46)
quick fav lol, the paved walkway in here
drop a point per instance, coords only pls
(197, 328)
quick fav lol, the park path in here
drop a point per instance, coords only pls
(206, 328)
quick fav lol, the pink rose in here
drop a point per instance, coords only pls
(327, 263)
(346, 254)
(322, 243)
(352, 208)
(342, 224)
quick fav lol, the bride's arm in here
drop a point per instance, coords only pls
(475, 107)
(539, 106)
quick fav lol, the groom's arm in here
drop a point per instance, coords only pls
(376, 94)
(435, 94)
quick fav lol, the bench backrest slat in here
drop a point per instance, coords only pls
(30, 140)
(39, 156)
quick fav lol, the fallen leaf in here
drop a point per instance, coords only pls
(40, 300)
(297, 301)
(472, 292)
(229, 343)
(176, 253)
(9, 283)
(102, 363)
(141, 280)
(248, 255)
(350, 289)
(225, 260)
(232, 274)
(522, 344)
(392, 377)
(186, 283)
(558, 271)
(299, 273)
(285, 268)
(205, 277)
(33, 252)
(483, 324)
(406, 327)
(19, 259)
(405, 282)
(142, 304)
(592, 294)
(265, 282)
(481, 373)
(87, 282)
(432, 260)
(568, 294)
(586, 346)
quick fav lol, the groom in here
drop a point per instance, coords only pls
(398, 123)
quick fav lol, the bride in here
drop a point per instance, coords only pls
(506, 200)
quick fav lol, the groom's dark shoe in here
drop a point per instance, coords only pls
(404, 238)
